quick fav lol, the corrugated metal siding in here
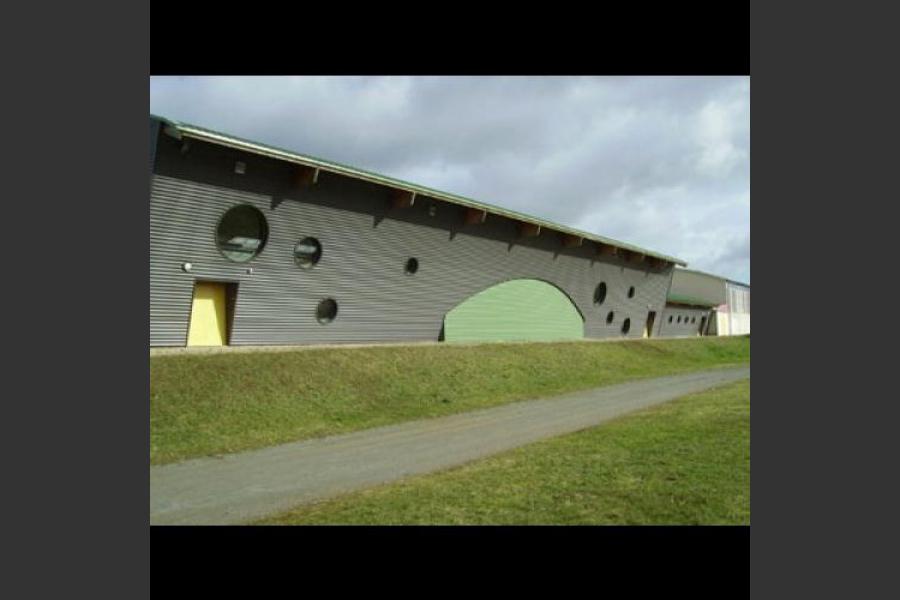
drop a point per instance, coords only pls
(365, 247)
(523, 309)
(221, 139)
(738, 309)
(738, 298)
(685, 328)
(734, 316)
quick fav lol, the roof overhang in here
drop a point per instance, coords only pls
(570, 236)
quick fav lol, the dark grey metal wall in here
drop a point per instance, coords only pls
(685, 327)
(365, 247)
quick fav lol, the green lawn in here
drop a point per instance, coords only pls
(206, 404)
(684, 462)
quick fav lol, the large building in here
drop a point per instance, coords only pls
(254, 245)
(703, 304)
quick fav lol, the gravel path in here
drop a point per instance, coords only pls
(241, 487)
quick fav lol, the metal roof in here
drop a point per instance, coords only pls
(179, 129)
(719, 277)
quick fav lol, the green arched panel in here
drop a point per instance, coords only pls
(522, 309)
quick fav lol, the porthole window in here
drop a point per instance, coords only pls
(326, 311)
(631, 292)
(670, 318)
(610, 317)
(679, 319)
(412, 265)
(626, 326)
(307, 252)
(242, 233)
(600, 293)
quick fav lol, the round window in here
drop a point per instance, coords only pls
(670, 318)
(307, 252)
(326, 311)
(610, 317)
(600, 293)
(631, 292)
(242, 233)
(412, 265)
(679, 319)
(626, 326)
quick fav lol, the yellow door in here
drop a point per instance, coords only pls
(208, 315)
(648, 324)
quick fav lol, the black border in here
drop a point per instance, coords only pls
(695, 38)
(702, 560)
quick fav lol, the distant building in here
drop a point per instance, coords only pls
(254, 245)
(704, 304)
(733, 318)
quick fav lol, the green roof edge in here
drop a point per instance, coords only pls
(678, 298)
(715, 277)
(197, 131)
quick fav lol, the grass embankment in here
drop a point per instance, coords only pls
(218, 403)
(684, 462)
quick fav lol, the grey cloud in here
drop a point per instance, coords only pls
(658, 161)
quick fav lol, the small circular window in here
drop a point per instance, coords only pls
(631, 292)
(679, 319)
(670, 318)
(242, 233)
(600, 293)
(327, 310)
(307, 252)
(610, 317)
(412, 265)
(626, 326)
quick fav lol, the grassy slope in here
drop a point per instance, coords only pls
(218, 403)
(684, 462)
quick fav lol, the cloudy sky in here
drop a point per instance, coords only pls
(661, 162)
